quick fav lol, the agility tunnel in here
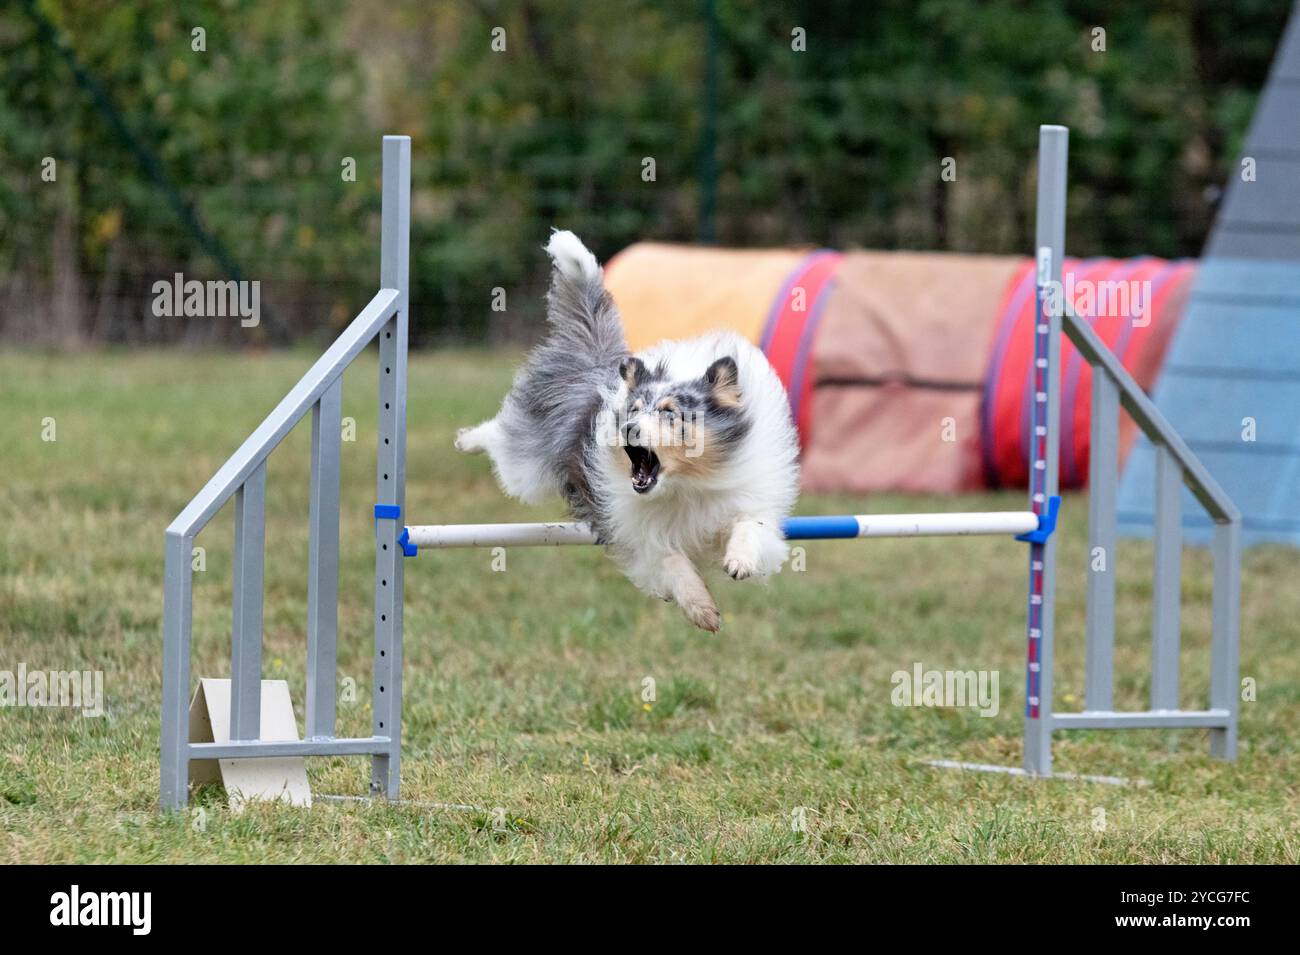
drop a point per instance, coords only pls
(908, 371)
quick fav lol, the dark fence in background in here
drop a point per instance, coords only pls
(754, 124)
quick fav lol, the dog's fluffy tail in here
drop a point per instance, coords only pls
(583, 316)
(572, 257)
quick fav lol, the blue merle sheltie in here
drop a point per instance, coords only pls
(678, 455)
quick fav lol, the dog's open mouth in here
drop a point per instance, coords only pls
(645, 467)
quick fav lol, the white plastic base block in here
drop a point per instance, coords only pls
(276, 778)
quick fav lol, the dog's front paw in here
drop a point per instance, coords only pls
(704, 614)
(740, 565)
(753, 550)
(743, 555)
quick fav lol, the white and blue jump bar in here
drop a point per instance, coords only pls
(1024, 525)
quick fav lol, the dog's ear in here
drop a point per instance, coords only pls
(724, 382)
(632, 371)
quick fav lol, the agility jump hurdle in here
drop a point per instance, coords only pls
(385, 318)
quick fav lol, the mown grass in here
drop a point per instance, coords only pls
(523, 688)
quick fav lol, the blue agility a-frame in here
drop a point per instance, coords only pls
(1231, 382)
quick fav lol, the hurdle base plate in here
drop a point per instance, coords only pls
(1018, 771)
(344, 800)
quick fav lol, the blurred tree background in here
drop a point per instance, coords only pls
(232, 160)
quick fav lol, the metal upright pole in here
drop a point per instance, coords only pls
(1049, 246)
(391, 472)
(246, 617)
(1225, 688)
(1103, 484)
(178, 584)
(323, 564)
(1166, 580)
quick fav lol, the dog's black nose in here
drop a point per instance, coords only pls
(632, 433)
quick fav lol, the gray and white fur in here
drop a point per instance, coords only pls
(680, 454)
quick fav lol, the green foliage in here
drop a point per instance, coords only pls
(840, 144)
(250, 131)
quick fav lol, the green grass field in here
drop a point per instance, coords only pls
(524, 687)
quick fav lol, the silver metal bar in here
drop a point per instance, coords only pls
(1159, 719)
(1103, 482)
(287, 413)
(323, 563)
(385, 771)
(1049, 246)
(1224, 642)
(246, 619)
(1148, 417)
(178, 579)
(260, 748)
(1166, 581)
